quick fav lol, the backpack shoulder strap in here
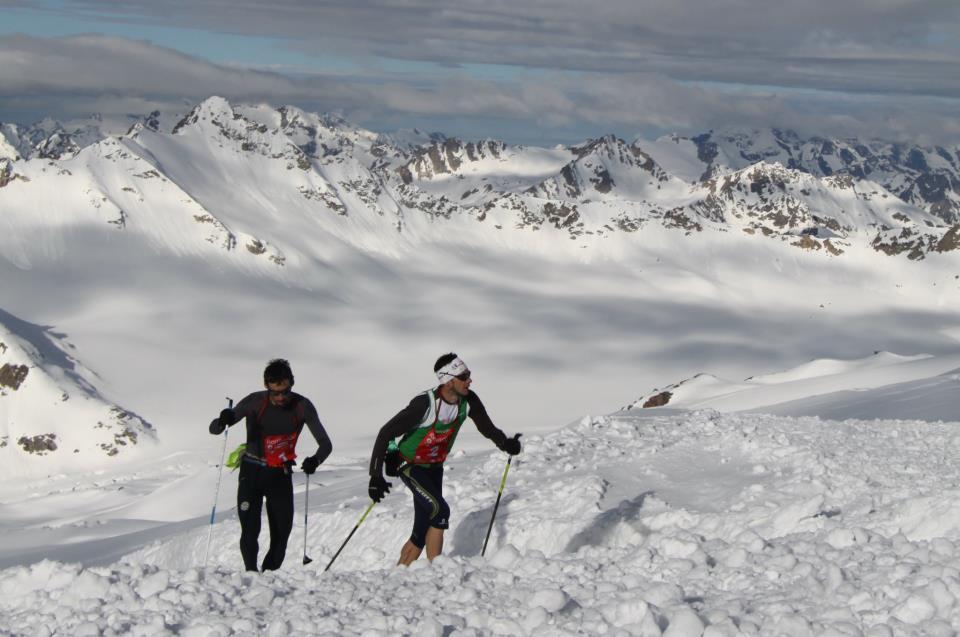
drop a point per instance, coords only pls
(431, 415)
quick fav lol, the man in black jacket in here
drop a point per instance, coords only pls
(427, 429)
(275, 418)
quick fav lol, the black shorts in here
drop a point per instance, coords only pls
(430, 509)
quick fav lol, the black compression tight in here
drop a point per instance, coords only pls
(276, 486)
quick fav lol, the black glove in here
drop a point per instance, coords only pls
(309, 465)
(391, 463)
(512, 445)
(378, 488)
(227, 418)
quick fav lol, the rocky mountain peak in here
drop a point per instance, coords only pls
(609, 145)
(152, 121)
(9, 143)
(6, 172)
(446, 156)
(215, 110)
(928, 177)
(59, 145)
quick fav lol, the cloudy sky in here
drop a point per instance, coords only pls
(531, 71)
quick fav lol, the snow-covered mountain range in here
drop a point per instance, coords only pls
(815, 194)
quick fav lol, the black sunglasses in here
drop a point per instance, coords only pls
(464, 376)
(281, 392)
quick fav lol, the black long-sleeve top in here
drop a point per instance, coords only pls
(410, 417)
(297, 412)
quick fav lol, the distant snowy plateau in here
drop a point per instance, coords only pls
(775, 316)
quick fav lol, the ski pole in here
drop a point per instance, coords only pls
(306, 507)
(496, 506)
(216, 495)
(362, 518)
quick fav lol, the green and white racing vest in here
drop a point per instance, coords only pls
(431, 441)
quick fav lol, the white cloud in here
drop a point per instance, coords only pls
(740, 41)
(109, 64)
(77, 75)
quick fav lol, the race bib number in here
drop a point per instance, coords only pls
(433, 447)
(279, 450)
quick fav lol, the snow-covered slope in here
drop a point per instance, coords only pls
(677, 523)
(828, 386)
(53, 418)
(9, 142)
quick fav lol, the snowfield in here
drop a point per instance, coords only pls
(668, 522)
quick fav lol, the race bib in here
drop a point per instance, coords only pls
(279, 450)
(434, 446)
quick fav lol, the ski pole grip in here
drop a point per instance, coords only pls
(229, 406)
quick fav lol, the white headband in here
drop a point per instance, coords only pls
(451, 370)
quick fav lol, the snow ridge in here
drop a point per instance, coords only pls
(53, 418)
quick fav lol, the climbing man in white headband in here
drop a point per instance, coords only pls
(427, 428)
